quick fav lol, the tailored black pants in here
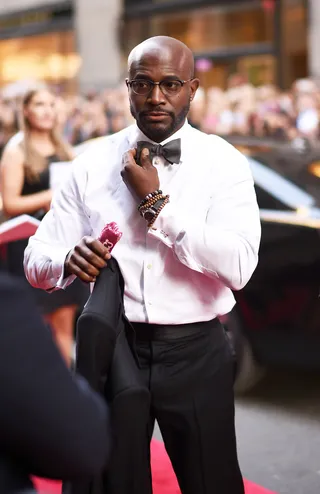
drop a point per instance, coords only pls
(189, 370)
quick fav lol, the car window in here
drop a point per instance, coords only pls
(275, 191)
(268, 201)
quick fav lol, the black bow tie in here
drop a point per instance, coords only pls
(170, 151)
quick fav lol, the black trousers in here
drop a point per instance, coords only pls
(189, 370)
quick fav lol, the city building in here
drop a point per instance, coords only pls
(83, 44)
(71, 44)
(263, 39)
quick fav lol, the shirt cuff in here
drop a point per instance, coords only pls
(167, 226)
(59, 281)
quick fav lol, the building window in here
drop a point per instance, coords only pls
(49, 57)
(234, 38)
(237, 38)
(208, 30)
(295, 40)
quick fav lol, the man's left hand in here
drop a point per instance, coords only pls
(144, 179)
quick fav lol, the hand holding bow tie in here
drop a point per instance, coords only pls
(142, 179)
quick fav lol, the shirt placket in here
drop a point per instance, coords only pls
(149, 265)
(148, 276)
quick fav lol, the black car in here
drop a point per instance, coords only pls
(297, 160)
(276, 321)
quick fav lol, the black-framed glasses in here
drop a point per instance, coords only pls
(169, 87)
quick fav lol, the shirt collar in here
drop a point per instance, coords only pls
(137, 135)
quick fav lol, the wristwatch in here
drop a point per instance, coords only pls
(151, 212)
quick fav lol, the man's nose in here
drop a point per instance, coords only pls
(156, 96)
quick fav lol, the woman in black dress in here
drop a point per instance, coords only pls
(25, 186)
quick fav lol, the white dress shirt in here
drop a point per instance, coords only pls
(203, 245)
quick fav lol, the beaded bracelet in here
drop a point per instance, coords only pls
(151, 202)
(148, 197)
(164, 202)
(154, 205)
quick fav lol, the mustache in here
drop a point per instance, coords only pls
(160, 110)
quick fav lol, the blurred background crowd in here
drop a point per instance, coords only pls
(241, 110)
(257, 61)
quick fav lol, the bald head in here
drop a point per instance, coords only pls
(161, 85)
(162, 48)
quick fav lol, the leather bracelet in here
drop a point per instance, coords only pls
(158, 211)
(151, 202)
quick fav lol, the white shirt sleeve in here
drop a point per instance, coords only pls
(226, 244)
(60, 230)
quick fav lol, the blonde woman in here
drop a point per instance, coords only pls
(25, 189)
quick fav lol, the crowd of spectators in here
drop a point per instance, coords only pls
(240, 109)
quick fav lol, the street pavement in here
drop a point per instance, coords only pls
(278, 430)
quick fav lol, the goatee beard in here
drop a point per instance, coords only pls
(159, 135)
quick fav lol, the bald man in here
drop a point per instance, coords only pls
(186, 205)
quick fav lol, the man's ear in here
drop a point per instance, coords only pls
(194, 85)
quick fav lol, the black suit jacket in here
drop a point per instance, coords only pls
(51, 424)
(105, 357)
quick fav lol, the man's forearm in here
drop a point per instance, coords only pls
(224, 250)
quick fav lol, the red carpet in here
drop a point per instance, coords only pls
(164, 481)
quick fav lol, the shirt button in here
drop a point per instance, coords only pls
(149, 266)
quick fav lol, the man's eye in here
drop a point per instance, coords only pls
(142, 84)
(172, 85)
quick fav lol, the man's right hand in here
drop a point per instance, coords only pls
(87, 259)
